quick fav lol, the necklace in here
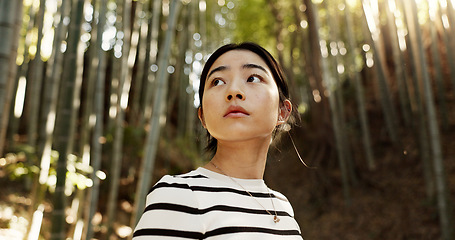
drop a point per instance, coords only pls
(276, 219)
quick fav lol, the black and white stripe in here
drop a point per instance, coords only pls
(206, 205)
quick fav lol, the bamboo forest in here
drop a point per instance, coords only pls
(99, 98)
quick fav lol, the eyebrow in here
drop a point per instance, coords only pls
(217, 69)
(252, 65)
(245, 66)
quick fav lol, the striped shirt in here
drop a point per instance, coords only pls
(203, 204)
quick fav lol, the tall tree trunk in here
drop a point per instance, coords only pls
(421, 131)
(320, 117)
(332, 84)
(180, 74)
(96, 147)
(129, 51)
(400, 74)
(21, 89)
(36, 79)
(189, 124)
(278, 30)
(360, 95)
(83, 148)
(155, 30)
(73, 67)
(142, 60)
(437, 69)
(450, 10)
(334, 35)
(434, 138)
(51, 88)
(65, 120)
(158, 108)
(385, 97)
(10, 22)
(316, 81)
(87, 109)
(448, 37)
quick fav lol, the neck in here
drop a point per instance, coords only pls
(245, 160)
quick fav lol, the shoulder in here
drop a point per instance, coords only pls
(279, 196)
(172, 210)
(182, 181)
(169, 187)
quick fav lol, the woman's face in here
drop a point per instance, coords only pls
(241, 100)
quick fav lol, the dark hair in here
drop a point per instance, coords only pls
(274, 67)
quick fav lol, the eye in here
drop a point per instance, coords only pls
(254, 79)
(217, 82)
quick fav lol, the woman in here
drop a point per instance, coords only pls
(244, 104)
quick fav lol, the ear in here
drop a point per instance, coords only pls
(200, 114)
(285, 112)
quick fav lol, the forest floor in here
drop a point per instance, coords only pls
(389, 202)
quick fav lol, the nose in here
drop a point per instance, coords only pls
(238, 95)
(234, 92)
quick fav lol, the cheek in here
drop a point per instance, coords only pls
(270, 103)
(210, 106)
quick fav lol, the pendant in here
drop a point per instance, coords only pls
(276, 219)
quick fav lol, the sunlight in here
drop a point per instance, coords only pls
(52, 181)
(86, 155)
(28, 3)
(89, 182)
(32, 50)
(194, 83)
(124, 231)
(101, 175)
(371, 22)
(165, 8)
(46, 45)
(36, 223)
(443, 4)
(45, 162)
(369, 59)
(340, 68)
(202, 6)
(392, 6)
(124, 97)
(445, 21)
(73, 211)
(47, 152)
(334, 48)
(78, 230)
(48, 29)
(433, 9)
(230, 5)
(324, 50)
(92, 120)
(113, 108)
(317, 96)
(50, 122)
(20, 97)
(402, 40)
(374, 5)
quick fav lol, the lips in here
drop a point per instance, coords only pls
(236, 112)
